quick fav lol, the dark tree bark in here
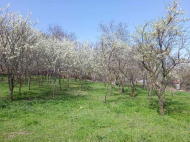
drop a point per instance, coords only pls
(20, 87)
(132, 84)
(54, 87)
(41, 81)
(29, 81)
(164, 101)
(123, 88)
(81, 83)
(11, 86)
(59, 82)
(68, 82)
(39, 84)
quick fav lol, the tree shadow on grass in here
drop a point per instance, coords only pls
(170, 108)
(84, 88)
(173, 106)
(46, 93)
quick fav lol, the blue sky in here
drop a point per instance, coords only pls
(83, 16)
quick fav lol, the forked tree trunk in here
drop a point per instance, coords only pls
(160, 99)
(159, 93)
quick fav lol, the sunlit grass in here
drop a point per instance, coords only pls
(76, 115)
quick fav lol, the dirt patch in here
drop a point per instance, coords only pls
(175, 90)
(13, 134)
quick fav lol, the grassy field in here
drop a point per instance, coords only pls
(77, 115)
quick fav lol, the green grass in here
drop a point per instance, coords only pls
(77, 115)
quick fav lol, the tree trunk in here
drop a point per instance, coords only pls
(45, 75)
(59, 82)
(133, 92)
(85, 77)
(171, 92)
(20, 86)
(118, 83)
(54, 88)
(163, 99)
(25, 75)
(11, 94)
(11, 86)
(68, 83)
(75, 78)
(35, 78)
(163, 93)
(106, 92)
(159, 92)
(161, 105)
(149, 93)
(111, 88)
(144, 80)
(48, 78)
(132, 89)
(38, 80)
(93, 78)
(2, 77)
(123, 88)
(41, 81)
(29, 80)
(81, 83)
